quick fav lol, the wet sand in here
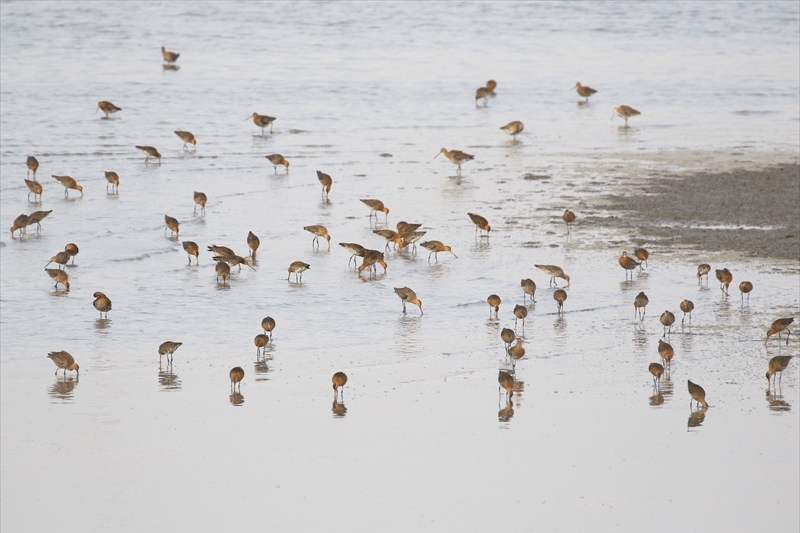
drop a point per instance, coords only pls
(752, 212)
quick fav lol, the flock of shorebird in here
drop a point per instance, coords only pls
(406, 234)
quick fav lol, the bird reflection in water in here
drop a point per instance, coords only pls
(506, 413)
(260, 368)
(102, 323)
(168, 379)
(775, 401)
(696, 418)
(338, 409)
(237, 398)
(170, 67)
(63, 388)
(657, 398)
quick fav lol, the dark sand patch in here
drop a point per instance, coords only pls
(753, 212)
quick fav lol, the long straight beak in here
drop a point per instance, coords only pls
(573, 86)
(437, 155)
(454, 255)
(251, 116)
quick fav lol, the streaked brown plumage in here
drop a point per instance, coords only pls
(107, 107)
(687, 306)
(262, 121)
(457, 157)
(167, 348)
(407, 295)
(569, 218)
(703, 270)
(625, 112)
(725, 277)
(584, 91)
(480, 223)
(169, 57)
(59, 276)
(520, 312)
(102, 303)
(777, 365)
(268, 325)
(200, 199)
(640, 302)
(528, 289)
(389, 235)
(233, 261)
(33, 165)
(34, 187)
(171, 224)
(506, 382)
(193, 250)
(780, 325)
(72, 250)
(278, 159)
(411, 238)
(36, 218)
(149, 152)
(237, 375)
(516, 352)
(61, 258)
(253, 242)
(318, 231)
(297, 268)
(744, 288)
(21, 224)
(494, 303)
(628, 263)
(339, 380)
(657, 370)
(68, 183)
(642, 255)
(186, 137)
(560, 296)
(554, 272)
(697, 393)
(513, 128)
(666, 352)
(223, 271)
(221, 250)
(64, 360)
(435, 247)
(404, 228)
(113, 179)
(480, 94)
(261, 341)
(371, 257)
(508, 336)
(326, 182)
(667, 319)
(375, 206)
(356, 250)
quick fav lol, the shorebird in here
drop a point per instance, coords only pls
(778, 326)
(480, 223)
(516, 352)
(725, 277)
(262, 121)
(261, 342)
(628, 263)
(107, 107)
(642, 255)
(318, 231)
(68, 183)
(569, 218)
(744, 288)
(667, 319)
(64, 360)
(698, 394)
(33, 165)
(657, 370)
(356, 250)
(61, 258)
(507, 335)
(480, 94)
(513, 128)
(411, 238)
(72, 250)
(666, 352)
(59, 276)
(326, 182)
(457, 157)
(167, 348)
(625, 112)
(339, 380)
(389, 235)
(435, 247)
(370, 258)
(375, 206)
(703, 270)
(169, 57)
(278, 159)
(113, 179)
(223, 270)
(494, 302)
(101, 303)
(193, 250)
(404, 228)
(200, 199)
(233, 261)
(640, 302)
(253, 242)
(687, 306)
(221, 250)
(149, 152)
(506, 382)
(21, 224)
(491, 85)
(171, 224)
(585, 92)
(407, 295)
(237, 375)
(34, 187)
(268, 325)
(777, 365)
(36, 218)
(528, 289)
(186, 137)
(554, 272)
(520, 312)
(560, 296)
(298, 267)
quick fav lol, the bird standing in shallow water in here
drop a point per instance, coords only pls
(186, 137)
(667, 319)
(113, 179)
(666, 352)
(278, 159)
(34, 187)
(63, 360)
(72, 250)
(20, 223)
(36, 217)
(149, 152)
(169, 57)
(457, 157)
(506, 382)
(68, 183)
(508, 336)
(780, 325)
(262, 121)
(268, 325)
(640, 302)
(102, 303)
(223, 270)
(516, 352)
(435, 247)
(554, 272)
(298, 267)
(560, 296)
(261, 342)
(725, 277)
(407, 295)
(657, 370)
(375, 206)
(61, 258)
(339, 380)
(356, 250)
(253, 242)
(494, 302)
(642, 255)
(167, 349)
(520, 312)
(528, 289)
(33, 165)
(513, 128)
(200, 199)
(371, 257)
(628, 263)
(584, 91)
(237, 375)
(480, 223)
(193, 250)
(569, 218)
(625, 112)
(687, 306)
(171, 224)
(318, 231)
(703, 270)
(59, 276)
(326, 182)
(698, 394)
(744, 288)
(107, 107)
(777, 365)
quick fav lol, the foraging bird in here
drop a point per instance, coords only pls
(667, 319)
(687, 306)
(516, 352)
(389, 235)
(657, 370)
(628, 263)
(411, 238)
(107, 107)
(744, 288)
(169, 57)
(480, 94)
(260, 341)
(375, 206)
(34, 187)
(200, 199)
(237, 375)
(326, 182)
(513, 128)
(64, 360)
(625, 112)
(777, 365)
(193, 250)
(339, 380)
(233, 261)
(569, 218)
(370, 258)
(21, 224)
(560, 296)
(703, 270)
(298, 267)
(167, 348)
(404, 228)
(356, 250)
(149, 152)
(33, 165)
(506, 382)
(725, 277)
(457, 157)
(253, 242)
(407, 295)
(113, 179)
(59, 276)
(666, 352)
(520, 312)
(186, 137)
(268, 325)
(262, 121)
(72, 250)
(68, 183)
(491, 85)
(780, 325)
(278, 159)
(584, 91)
(171, 224)
(318, 231)
(435, 247)
(528, 289)
(640, 302)
(36, 217)
(101, 303)
(221, 250)
(554, 272)
(642, 255)
(507, 335)
(61, 258)
(480, 223)
(698, 394)
(494, 302)
(223, 270)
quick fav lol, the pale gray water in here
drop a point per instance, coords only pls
(129, 448)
